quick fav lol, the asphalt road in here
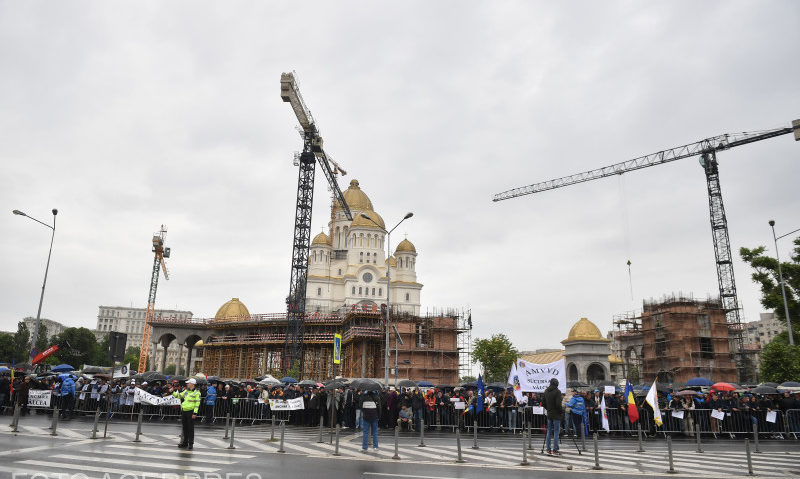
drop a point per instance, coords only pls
(33, 453)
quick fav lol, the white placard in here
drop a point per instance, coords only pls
(460, 405)
(716, 414)
(677, 414)
(286, 405)
(772, 416)
(41, 398)
(122, 371)
(537, 410)
(536, 377)
(609, 389)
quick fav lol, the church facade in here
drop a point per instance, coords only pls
(348, 266)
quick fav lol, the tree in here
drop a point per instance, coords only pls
(633, 374)
(42, 342)
(496, 356)
(6, 347)
(22, 339)
(170, 370)
(468, 379)
(132, 356)
(101, 354)
(82, 347)
(779, 361)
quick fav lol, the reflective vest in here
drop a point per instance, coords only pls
(190, 400)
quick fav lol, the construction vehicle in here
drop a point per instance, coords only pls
(312, 154)
(707, 151)
(159, 253)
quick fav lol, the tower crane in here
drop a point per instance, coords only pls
(312, 154)
(160, 252)
(707, 151)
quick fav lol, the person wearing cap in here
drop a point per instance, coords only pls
(190, 404)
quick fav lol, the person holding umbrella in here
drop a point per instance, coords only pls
(190, 404)
(369, 403)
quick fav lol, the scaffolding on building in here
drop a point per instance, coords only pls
(677, 337)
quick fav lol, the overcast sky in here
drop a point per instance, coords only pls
(127, 115)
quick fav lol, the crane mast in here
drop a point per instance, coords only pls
(707, 150)
(312, 154)
(160, 252)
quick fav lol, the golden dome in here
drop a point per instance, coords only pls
(199, 344)
(321, 238)
(355, 198)
(405, 246)
(584, 330)
(614, 359)
(360, 221)
(233, 310)
(392, 262)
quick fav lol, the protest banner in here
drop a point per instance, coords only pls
(145, 397)
(39, 398)
(536, 377)
(286, 405)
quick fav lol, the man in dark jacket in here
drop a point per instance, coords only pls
(555, 411)
(370, 406)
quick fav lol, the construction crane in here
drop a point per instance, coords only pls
(707, 151)
(160, 252)
(311, 155)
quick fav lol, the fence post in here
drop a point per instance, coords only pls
(15, 420)
(697, 433)
(639, 431)
(272, 430)
(669, 454)
(227, 424)
(96, 421)
(584, 425)
(475, 434)
(233, 433)
(283, 432)
(749, 459)
(421, 432)
(530, 433)
(396, 440)
(138, 426)
(524, 451)
(54, 424)
(755, 437)
(320, 430)
(458, 444)
(336, 450)
(596, 454)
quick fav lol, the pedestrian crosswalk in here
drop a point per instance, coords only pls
(120, 455)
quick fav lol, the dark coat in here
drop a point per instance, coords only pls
(552, 402)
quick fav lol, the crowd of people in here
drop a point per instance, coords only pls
(413, 408)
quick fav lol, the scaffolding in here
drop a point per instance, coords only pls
(676, 338)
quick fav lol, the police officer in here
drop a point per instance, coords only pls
(190, 404)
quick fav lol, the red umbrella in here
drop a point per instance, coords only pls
(723, 387)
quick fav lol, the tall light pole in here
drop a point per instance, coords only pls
(780, 276)
(388, 286)
(46, 269)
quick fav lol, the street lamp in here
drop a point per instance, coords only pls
(780, 276)
(47, 268)
(388, 286)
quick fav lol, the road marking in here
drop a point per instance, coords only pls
(139, 463)
(154, 455)
(181, 451)
(84, 467)
(216, 443)
(394, 474)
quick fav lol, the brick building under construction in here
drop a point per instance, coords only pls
(678, 338)
(235, 344)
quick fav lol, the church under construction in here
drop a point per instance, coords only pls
(346, 292)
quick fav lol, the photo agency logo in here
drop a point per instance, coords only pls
(149, 475)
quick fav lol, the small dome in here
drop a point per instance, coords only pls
(233, 310)
(199, 344)
(405, 246)
(392, 262)
(322, 239)
(355, 198)
(584, 330)
(614, 359)
(360, 221)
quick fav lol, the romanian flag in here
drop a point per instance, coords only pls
(633, 413)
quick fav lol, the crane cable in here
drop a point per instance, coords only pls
(626, 227)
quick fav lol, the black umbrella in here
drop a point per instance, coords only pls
(178, 378)
(365, 384)
(334, 384)
(214, 379)
(790, 384)
(764, 390)
(407, 383)
(576, 384)
(307, 382)
(771, 385)
(200, 380)
(151, 376)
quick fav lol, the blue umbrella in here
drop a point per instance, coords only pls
(425, 384)
(288, 380)
(3, 369)
(62, 368)
(699, 382)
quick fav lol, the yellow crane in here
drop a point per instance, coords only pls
(160, 252)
